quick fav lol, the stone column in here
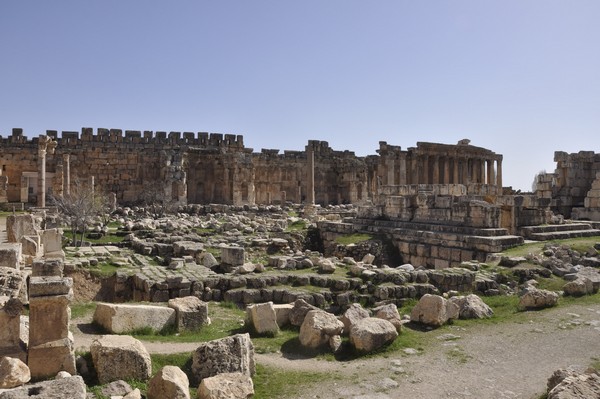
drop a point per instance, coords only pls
(402, 176)
(446, 169)
(45, 144)
(499, 174)
(455, 179)
(391, 178)
(310, 174)
(482, 171)
(466, 172)
(425, 179)
(66, 174)
(491, 176)
(414, 172)
(436, 170)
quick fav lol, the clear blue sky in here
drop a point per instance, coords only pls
(519, 77)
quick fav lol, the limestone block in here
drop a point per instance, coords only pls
(471, 307)
(21, 225)
(352, 315)
(170, 382)
(191, 248)
(372, 333)
(118, 357)
(532, 298)
(318, 327)
(50, 285)
(233, 256)
(49, 318)
(11, 325)
(225, 355)
(10, 255)
(120, 318)
(52, 389)
(390, 313)
(208, 260)
(47, 359)
(263, 318)
(226, 386)
(47, 268)
(434, 310)
(13, 373)
(31, 246)
(299, 311)
(282, 313)
(13, 283)
(52, 240)
(191, 313)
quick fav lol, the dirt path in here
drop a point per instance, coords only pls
(508, 360)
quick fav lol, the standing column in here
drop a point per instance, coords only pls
(425, 179)
(499, 174)
(402, 179)
(482, 171)
(67, 174)
(446, 169)
(45, 144)
(466, 172)
(414, 170)
(436, 170)
(490, 172)
(455, 180)
(310, 155)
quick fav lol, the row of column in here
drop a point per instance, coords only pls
(431, 169)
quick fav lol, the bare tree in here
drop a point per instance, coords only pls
(80, 207)
(157, 201)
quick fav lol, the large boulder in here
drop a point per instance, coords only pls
(11, 255)
(52, 389)
(118, 357)
(170, 382)
(471, 307)
(121, 318)
(434, 310)
(352, 315)
(579, 287)
(372, 333)
(318, 327)
(299, 311)
(532, 298)
(191, 313)
(390, 313)
(13, 373)
(226, 386)
(226, 355)
(282, 313)
(263, 318)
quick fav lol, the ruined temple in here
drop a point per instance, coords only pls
(215, 168)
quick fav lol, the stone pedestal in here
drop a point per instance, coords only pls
(10, 330)
(51, 347)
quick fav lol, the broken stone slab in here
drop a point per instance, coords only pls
(282, 313)
(191, 248)
(41, 268)
(390, 313)
(50, 285)
(191, 313)
(371, 333)
(123, 318)
(52, 389)
(170, 382)
(352, 315)
(577, 385)
(30, 247)
(225, 355)
(226, 385)
(118, 357)
(52, 240)
(11, 255)
(21, 225)
(299, 311)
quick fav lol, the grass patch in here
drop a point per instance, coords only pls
(298, 225)
(82, 309)
(266, 344)
(353, 238)
(104, 269)
(226, 320)
(275, 383)
(581, 244)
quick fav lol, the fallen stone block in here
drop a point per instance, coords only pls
(191, 313)
(371, 333)
(226, 385)
(170, 382)
(118, 357)
(121, 318)
(13, 373)
(70, 387)
(225, 355)
(434, 310)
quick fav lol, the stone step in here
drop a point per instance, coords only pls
(440, 228)
(555, 227)
(562, 235)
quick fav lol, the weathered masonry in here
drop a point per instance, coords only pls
(214, 168)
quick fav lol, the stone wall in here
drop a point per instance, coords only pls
(215, 168)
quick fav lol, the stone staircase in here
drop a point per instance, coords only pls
(560, 231)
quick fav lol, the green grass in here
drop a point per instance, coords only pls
(276, 383)
(226, 320)
(81, 309)
(298, 225)
(109, 238)
(353, 238)
(104, 269)
(581, 244)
